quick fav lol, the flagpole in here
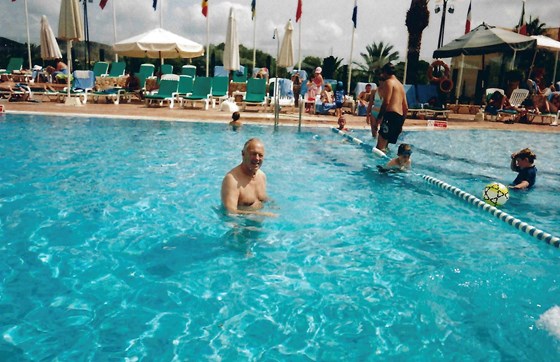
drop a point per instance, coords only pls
(350, 61)
(28, 40)
(254, 15)
(207, 45)
(355, 21)
(115, 29)
(161, 14)
(299, 51)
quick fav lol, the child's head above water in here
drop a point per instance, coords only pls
(404, 150)
(235, 116)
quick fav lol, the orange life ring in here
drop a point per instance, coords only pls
(446, 85)
(438, 63)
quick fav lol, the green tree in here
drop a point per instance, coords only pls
(534, 27)
(330, 67)
(376, 55)
(417, 19)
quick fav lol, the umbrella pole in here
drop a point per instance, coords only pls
(555, 67)
(459, 80)
(276, 88)
(115, 30)
(69, 100)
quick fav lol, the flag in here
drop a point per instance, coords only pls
(154, 5)
(253, 8)
(468, 22)
(522, 26)
(102, 4)
(205, 8)
(355, 13)
(298, 11)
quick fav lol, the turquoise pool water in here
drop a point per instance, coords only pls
(114, 247)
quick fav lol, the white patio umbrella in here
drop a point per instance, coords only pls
(231, 49)
(70, 28)
(49, 45)
(286, 55)
(158, 43)
(544, 42)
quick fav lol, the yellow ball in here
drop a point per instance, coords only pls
(495, 194)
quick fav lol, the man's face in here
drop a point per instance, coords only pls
(253, 156)
(368, 88)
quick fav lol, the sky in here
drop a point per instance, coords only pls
(326, 25)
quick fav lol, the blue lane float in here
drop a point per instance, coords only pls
(505, 217)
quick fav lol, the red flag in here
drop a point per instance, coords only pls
(468, 22)
(205, 8)
(102, 4)
(298, 11)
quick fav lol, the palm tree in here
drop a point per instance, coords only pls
(376, 55)
(535, 27)
(417, 19)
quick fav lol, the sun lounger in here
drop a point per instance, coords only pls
(166, 69)
(202, 92)
(82, 84)
(256, 93)
(146, 71)
(428, 97)
(189, 70)
(240, 76)
(117, 69)
(166, 93)
(515, 100)
(415, 108)
(220, 89)
(284, 87)
(14, 64)
(100, 69)
(185, 87)
(220, 71)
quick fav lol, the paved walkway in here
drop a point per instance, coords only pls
(139, 110)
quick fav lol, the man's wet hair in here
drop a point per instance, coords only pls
(235, 116)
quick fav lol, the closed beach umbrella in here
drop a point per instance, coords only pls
(231, 49)
(70, 28)
(158, 43)
(49, 45)
(286, 55)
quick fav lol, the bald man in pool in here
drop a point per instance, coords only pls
(244, 187)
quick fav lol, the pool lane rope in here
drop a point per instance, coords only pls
(505, 217)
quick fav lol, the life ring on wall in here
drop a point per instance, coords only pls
(438, 63)
(446, 85)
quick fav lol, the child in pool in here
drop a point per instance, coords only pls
(523, 163)
(400, 163)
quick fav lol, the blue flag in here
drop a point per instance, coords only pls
(253, 8)
(155, 4)
(355, 13)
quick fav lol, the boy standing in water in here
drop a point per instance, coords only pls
(523, 163)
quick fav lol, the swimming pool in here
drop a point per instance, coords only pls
(114, 247)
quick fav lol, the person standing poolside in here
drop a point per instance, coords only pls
(393, 109)
(244, 187)
(522, 162)
(363, 100)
